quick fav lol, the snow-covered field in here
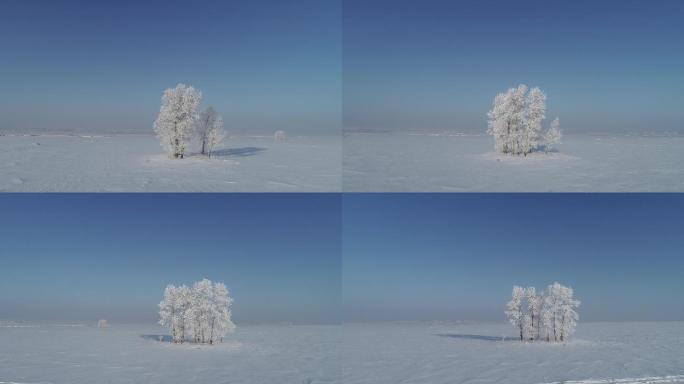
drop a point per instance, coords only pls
(602, 353)
(627, 353)
(129, 163)
(135, 354)
(386, 162)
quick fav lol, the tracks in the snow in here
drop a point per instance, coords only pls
(671, 379)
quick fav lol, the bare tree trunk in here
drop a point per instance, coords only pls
(532, 337)
(175, 140)
(562, 336)
(173, 323)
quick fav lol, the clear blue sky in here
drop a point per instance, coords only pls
(609, 65)
(102, 65)
(67, 257)
(456, 256)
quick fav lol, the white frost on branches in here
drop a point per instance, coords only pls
(209, 130)
(179, 122)
(174, 311)
(534, 308)
(561, 312)
(177, 118)
(553, 135)
(514, 310)
(515, 121)
(551, 315)
(201, 312)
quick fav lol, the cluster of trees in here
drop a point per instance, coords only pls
(515, 122)
(550, 315)
(180, 122)
(200, 313)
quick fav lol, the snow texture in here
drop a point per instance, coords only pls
(399, 162)
(647, 352)
(144, 354)
(129, 163)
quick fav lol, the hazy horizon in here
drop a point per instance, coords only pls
(73, 257)
(436, 65)
(427, 257)
(83, 66)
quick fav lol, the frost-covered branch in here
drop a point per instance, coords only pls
(209, 130)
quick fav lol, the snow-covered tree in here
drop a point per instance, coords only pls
(534, 306)
(219, 316)
(201, 312)
(209, 130)
(201, 291)
(563, 310)
(535, 113)
(515, 120)
(551, 315)
(177, 119)
(559, 312)
(279, 136)
(215, 136)
(514, 310)
(168, 311)
(547, 320)
(174, 310)
(553, 135)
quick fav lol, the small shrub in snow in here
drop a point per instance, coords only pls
(201, 312)
(279, 136)
(209, 130)
(550, 316)
(177, 118)
(102, 323)
(515, 121)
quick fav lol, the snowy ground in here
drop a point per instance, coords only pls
(626, 353)
(452, 163)
(129, 163)
(134, 354)
(601, 353)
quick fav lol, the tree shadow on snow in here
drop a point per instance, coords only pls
(476, 337)
(238, 152)
(158, 338)
(543, 149)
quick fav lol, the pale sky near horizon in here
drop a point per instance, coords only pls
(98, 66)
(83, 257)
(313, 67)
(434, 65)
(320, 258)
(456, 256)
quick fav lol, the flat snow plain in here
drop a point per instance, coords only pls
(396, 162)
(600, 353)
(134, 354)
(130, 163)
